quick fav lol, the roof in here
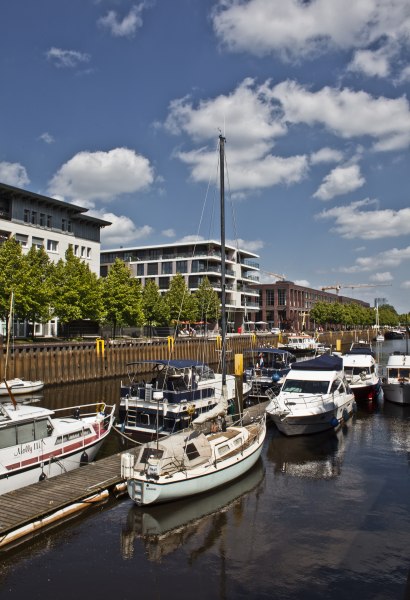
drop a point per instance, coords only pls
(325, 362)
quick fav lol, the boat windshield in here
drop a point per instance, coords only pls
(396, 373)
(301, 386)
(357, 370)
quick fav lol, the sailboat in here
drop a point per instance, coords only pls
(379, 336)
(210, 453)
(16, 385)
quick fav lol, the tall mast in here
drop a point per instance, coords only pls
(223, 295)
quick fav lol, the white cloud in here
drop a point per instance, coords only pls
(121, 231)
(302, 282)
(374, 63)
(340, 180)
(353, 222)
(382, 277)
(325, 155)
(169, 233)
(405, 285)
(348, 113)
(13, 174)
(389, 259)
(125, 27)
(295, 29)
(250, 245)
(67, 58)
(90, 176)
(47, 138)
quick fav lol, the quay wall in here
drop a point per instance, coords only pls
(56, 363)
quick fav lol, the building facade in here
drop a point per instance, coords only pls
(35, 220)
(195, 261)
(287, 305)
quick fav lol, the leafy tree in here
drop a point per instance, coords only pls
(320, 313)
(388, 315)
(122, 297)
(32, 300)
(155, 307)
(76, 290)
(181, 304)
(11, 257)
(208, 303)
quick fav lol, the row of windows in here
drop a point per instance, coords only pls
(25, 433)
(50, 245)
(45, 220)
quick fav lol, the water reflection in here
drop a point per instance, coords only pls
(318, 456)
(164, 529)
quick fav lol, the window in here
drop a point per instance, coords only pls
(163, 283)
(22, 239)
(82, 251)
(25, 433)
(42, 220)
(152, 269)
(140, 270)
(52, 245)
(223, 449)
(26, 215)
(282, 297)
(166, 268)
(88, 252)
(76, 250)
(270, 297)
(42, 429)
(8, 437)
(63, 224)
(49, 221)
(182, 266)
(69, 226)
(37, 242)
(33, 217)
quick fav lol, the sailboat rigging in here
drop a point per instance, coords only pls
(206, 455)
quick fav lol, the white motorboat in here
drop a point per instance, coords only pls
(396, 384)
(35, 444)
(207, 455)
(178, 392)
(20, 387)
(361, 370)
(314, 397)
(302, 344)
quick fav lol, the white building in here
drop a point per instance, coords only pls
(195, 260)
(36, 220)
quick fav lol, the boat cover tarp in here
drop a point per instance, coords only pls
(365, 350)
(325, 362)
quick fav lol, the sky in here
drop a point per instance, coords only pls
(117, 106)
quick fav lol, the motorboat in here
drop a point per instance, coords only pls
(314, 397)
(396, 384)
(394, 334)
(178, 392)
(361, 370)
(20, 387)
(211, 452)
(301, 344)
(36, 444)
(266, 371)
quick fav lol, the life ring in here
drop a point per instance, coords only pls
(100, 407)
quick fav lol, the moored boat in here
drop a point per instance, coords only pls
(35, 444)
(314, 397)
(266, 371)
(302, 344)
(361, 370)
(396, 384)
(20, 387)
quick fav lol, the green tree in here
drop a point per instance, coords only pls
(76, 290)
(388, 315)
(208, 303)
(320, 313)
(11, 258)
(155, 307)
(181, 304)
(33, 295)
(122, 297)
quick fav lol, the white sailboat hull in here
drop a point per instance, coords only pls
(20, 387)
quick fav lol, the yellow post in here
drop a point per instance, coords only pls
(170, 343)
(338, 345)
(239, 381)
(254, 338)
(218, 341)
(238, 364)
(99, 346)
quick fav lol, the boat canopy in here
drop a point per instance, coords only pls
(361, 350)
(325, 362)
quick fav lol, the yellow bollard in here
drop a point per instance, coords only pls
(338, 345)
(170, 343)
(238, 364)
(254, 337)
(218, 341)
(99, 346)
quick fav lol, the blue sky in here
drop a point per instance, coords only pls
(117, 106)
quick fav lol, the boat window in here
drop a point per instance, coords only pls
(148, 453)
(237, 442)
(144, 418)
(73, 435)
(356, 370)
(393, 372)
(300, 386)
(404, 373)
(191, 451)
(8, 437)
(42, 429)
(223, 449)
(25, 432)
(335, 386)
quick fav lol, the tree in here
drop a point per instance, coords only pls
(76, 290)
(181, 304)
(155, 307)
(122, 297)
(11, 257)
(208, 303)
(32, 300)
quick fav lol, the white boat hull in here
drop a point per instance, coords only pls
(207, 477)
(399, 393)
(20, 387)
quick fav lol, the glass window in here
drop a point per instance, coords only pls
(49, 221)
(63, 224)
(152, 269)
(166, 268)
(22, 239)
(42, 429)
(52, 245)
(25, 433)
(182, 266)
(26, 215)
(33, 217)
(140, 270)
(8, 437)
(38, 242)
(42, 220)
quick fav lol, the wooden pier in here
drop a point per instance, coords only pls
(25, 511)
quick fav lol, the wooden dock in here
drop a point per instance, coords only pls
(29, 509)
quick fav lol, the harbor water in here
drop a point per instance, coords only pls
(320, 516)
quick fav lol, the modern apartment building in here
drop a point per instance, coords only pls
(36, 220)
(196, 260)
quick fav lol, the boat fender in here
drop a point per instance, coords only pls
(275, 377)
(43, 476)
(345, 414)
(84, 459)
(334, 422)
(76, 413)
